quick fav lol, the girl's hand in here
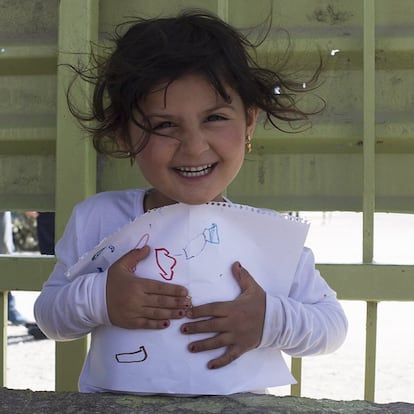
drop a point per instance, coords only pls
(238, 324)
(137, 303)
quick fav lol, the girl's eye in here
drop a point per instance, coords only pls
(164, 125)
(215, 117)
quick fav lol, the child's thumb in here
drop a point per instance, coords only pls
(242, 276)
(133, 257)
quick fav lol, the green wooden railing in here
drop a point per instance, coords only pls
(357, 157)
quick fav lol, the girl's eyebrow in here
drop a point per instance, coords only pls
(223, 105)
(208, 110)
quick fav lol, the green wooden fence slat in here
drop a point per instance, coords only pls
(370, 350)
(369, 185)
(296, 368)
(3, 338)
(76, 174)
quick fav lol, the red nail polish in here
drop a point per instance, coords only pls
(166, 324)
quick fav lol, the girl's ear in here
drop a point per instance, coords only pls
(252, 114)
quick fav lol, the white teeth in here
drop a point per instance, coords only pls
(195, 171)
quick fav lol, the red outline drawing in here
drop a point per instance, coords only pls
(165, 263)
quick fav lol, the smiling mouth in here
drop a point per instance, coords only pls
(199, 171)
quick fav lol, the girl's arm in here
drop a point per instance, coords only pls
(65, 309)
(69, 309)
(310, 320)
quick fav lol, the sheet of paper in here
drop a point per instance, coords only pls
(195, 246)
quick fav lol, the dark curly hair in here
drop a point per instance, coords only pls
(158, 50)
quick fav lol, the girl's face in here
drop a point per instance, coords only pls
(205, 143)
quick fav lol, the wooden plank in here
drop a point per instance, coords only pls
(3, 338)
(370, 351)
(25, 272)
(369, 131)
(370, 282)
(75, 174)
(366, 282)
(296, 368)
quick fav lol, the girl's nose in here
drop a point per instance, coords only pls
(194, 142)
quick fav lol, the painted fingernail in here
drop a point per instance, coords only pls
(184, 329)
(181, 313)
(166, 324)
(193, 348)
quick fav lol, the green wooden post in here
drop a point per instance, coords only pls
(223, 9)
(369, 185)
(370, 350)
(3, 338)
(75, 157)
(296, 368)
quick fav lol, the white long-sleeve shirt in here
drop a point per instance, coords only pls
(309, 321)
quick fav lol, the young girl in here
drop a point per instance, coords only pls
(180, 97)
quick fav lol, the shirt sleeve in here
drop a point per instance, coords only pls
(65, 309)
(310, 321)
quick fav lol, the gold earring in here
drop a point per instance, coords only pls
(248, 144)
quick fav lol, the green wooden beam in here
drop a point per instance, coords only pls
(22, 141)
(370, 282)
(363, 282)
(26, 273)
(75, 156)
(27, 60)
(329, 145)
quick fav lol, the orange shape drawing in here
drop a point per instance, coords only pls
(165, 263)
